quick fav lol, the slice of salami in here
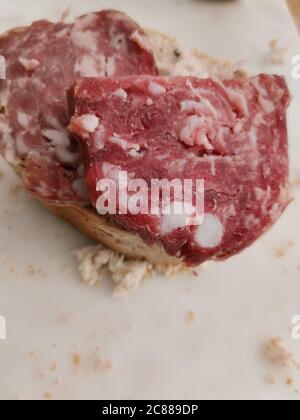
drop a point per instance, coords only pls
(233, 135)
(42, 61)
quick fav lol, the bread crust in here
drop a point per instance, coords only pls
(88, 222)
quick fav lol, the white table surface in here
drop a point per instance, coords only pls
(155, 353)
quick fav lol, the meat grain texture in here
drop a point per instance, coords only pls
(232, 134)
(42, 62)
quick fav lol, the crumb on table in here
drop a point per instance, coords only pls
(282, 251)
(190, 316)
(76, 359)
(277, 353)
(296, 182)
(99, 363)
(276, 54)
(270, 379)
(48, 396)
(96, 262)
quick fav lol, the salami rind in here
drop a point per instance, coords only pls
(42, 62)
(232, 134)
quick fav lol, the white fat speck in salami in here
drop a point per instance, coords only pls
(2, 68)
(111, 67)
(141, 40)
(200, 108)
(209, 234)
(120, 93)
(80, 187)
(29, 64)
(177, 214)
(149, 101)
(22, 147)
(4, 128)
(89, 66)
(193, 133)
(88, 123)
(155, 89)
(24, 119)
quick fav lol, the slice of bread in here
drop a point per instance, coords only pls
(171, 60)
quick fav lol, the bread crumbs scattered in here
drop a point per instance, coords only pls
(97, 262)
(290, 381)
(276, 54)
(76, 359)
(36, 272)
(190, 317)
(277, 353)
(282, 251)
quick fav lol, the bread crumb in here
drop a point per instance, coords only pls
(270, 379)
(36, 272)
(276, 54)
(68, 318)
(190, 317)
(48, 396)
(76, 359)
(41, 373)
(53, 367)
(99, 363)
(57, 382)
(31, 270)
(177, 53)
(296, 182)
(98, 262)
(290, 381)
(282, 251)
(65, 14)
(276, 352)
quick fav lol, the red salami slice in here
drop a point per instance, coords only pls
(232, 134)
(42, 61)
